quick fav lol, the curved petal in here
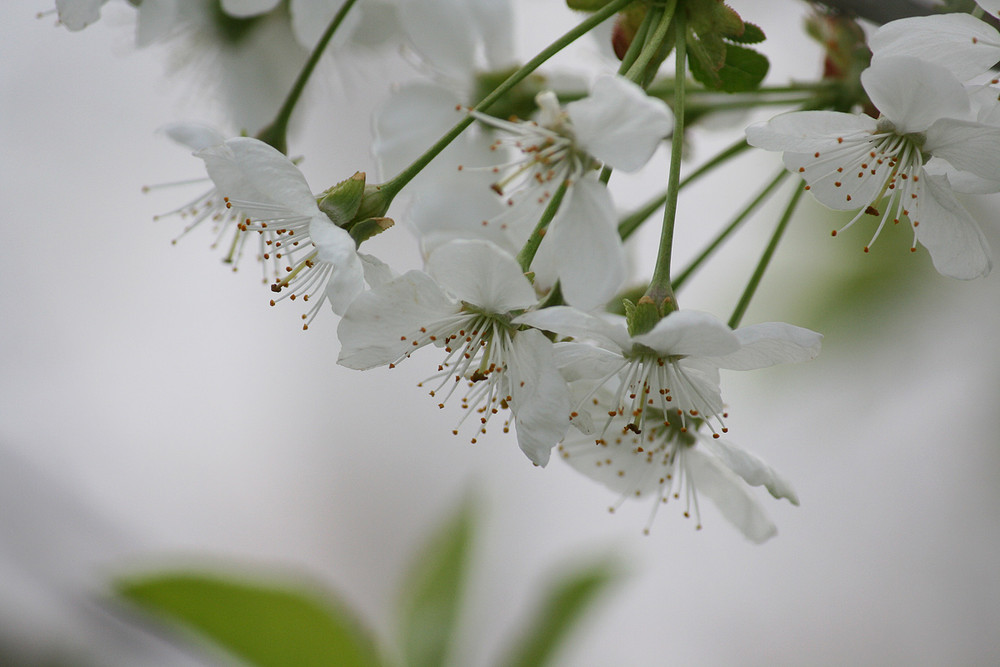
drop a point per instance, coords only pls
(440, 34)
(336, 247)
(248, 169)
(156, 20)
(771, 343)
(541, 403)
(914, 93)
(728, 492)
(370, 331)
(78, 14)
(954, 240)
(579, 361)
(494, 24)
(619, 124)
(590, 259)
(751, 468)
(964, 45)
(575, 323)
(690, 333)
(992, 6)
(808, 131)
(376, 271)
(843, 181)
(480, 273)
(969, 146)
(193, 135)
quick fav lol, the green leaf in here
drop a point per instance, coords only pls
(586, 5)
(561, 609)
(744, 70)
(752, 34)
(433, 590)
(265, 624)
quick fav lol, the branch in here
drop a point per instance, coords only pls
(882, 11)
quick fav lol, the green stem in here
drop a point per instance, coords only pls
(659, 289)
(635, 48)
(631, 222)
(765, 259)
(637, 71)
(392, 187)
(276, 134)
(725, 233)
(527, 254)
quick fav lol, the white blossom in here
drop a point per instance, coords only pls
(671, 370)
(464, 304)
(961, 43)
(319, 258)
(852, 162)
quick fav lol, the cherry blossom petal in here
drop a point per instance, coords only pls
(541, 404)
(583, 246)
(808, 131)
(967, 145)
(371, 328)
(964, 45)
(957, 247)
(578, 361)
(376, 271)
(843, 184)
(690, 333)
(572, 322)
(244, 8)
(440, 34)
(193, 135)
(250, 170)
(78, 14)
(310, 19)
(398, 140)
(727, 491)
(771, 343)
(480, 273)
(914, 93)
(751, 468)
(336, 247)
(619, 124)
(992, 6)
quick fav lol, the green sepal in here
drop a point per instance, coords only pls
(752, 34)
(363, 230)
(643, 317)
(341, 202)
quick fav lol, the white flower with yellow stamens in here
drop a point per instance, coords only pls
(464, 304)
(319, 260)
(854, 162)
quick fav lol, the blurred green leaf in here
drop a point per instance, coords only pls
(433, 590)
(752, 34)
(744, 69)
(265, 625)
(561, 609)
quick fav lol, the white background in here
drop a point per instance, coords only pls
(153, 408)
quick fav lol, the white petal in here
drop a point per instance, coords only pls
(541, 404)
(377, 272)
(248, 169)
(914, 93)
(440, 33)
(371, 328)
(844, 182)
(771, 343)
(494, 24)
(690, 333)
(156, 21)
(193, 135)
(482, 274)
(968, 146)
(78, 14)
(619, 124)
(336, 247)
(310, 19)
(808, 131)
(728, 492)
(398, 140)
(590, 259)
(751, 468)
(572, 322)
(954, 240)
(992, 6)
(959, 42)
(243, 8)
(579, 361)
(458, 207)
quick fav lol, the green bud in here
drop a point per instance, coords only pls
(341, 202)
(374, 202)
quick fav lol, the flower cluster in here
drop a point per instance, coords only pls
(506, 175)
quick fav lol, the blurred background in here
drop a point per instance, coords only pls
(155, 410)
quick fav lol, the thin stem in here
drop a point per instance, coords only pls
(276, 134)
(637, 71)
(392, 187)
(635, 48)
(631, 222)
(527, 254)
(725, 233)
(659, 289)
(765, 259)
